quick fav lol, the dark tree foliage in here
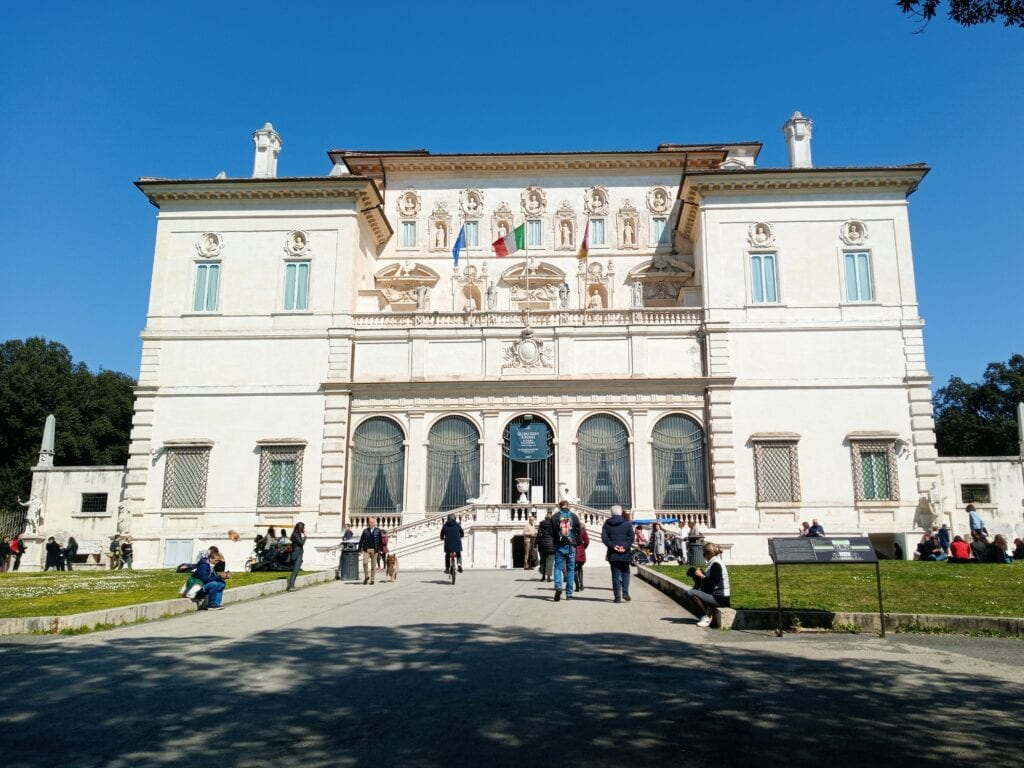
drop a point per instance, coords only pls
(981, 419)
(969, 12)
(93, 412)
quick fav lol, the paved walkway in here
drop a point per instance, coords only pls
(492, 672)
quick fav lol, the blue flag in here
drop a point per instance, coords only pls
(460, 243)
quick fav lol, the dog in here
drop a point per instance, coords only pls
(392, 567)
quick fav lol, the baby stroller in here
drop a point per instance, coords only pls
(274, 559)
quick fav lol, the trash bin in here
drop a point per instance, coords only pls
(348, 563)
(695, 551)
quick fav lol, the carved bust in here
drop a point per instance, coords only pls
(409, 204)
(853, 232)
(210, 244)
(658, 200)
(297, 242)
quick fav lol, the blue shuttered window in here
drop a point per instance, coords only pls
(858, 276)
(597, 232)
(296, 285)
(408, 234)
(533, 233)
(472, 234)
(763, 283)
(207, 284)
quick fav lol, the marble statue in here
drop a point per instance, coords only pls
(124, 517)
(563, 296)
(33, 513)
(492, 296)
(627, 233)
(638, 294)
(421, 297)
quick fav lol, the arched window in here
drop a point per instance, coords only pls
(680, 466)
(378, 467)
(453, 464)
(602, 463)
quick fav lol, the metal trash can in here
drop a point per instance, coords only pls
(695, 551)
(348, 563)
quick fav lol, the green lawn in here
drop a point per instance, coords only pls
(907, 587)
(56, 593)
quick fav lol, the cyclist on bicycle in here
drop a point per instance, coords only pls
(451, 535)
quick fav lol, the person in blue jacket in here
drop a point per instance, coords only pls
(213, 582)
(451, 535)
(617, 535)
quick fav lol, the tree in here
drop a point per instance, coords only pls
(93, 412)
(981, 419)
(968, 13)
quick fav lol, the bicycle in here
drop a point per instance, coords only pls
(453, 564)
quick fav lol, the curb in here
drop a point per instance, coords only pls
(768, 618)
(162, 609)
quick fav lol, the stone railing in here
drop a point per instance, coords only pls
(538, 318)
(384, 522)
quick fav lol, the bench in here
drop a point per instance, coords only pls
(90, 553)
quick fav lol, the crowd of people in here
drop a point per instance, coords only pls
(940, 545)
(12, 548)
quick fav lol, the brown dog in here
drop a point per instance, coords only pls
(392, 567)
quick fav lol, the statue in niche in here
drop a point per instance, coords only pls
(628, 233)
(492, 296)
(638, 294)
(409, 204)
(596, 201)
(421, 297)
(563, 296)
(566, 233)
(533, 203)
(440, 236)
(761, 235)
(33, 513)
(854, 232)
(659, 201)
(595, 302)
(502, 230)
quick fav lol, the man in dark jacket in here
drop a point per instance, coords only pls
(451, 535)
(546, 546)
(370, 543)
(213, 582)
(565, 529)
(617, 535)
(52, 555)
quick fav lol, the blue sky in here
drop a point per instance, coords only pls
(96, 95)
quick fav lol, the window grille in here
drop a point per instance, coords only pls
(975, 493)
(280, 476)
(680, 464)
(94, 504)
(603, 463)
(185, 477)
(875, 474)
(378, 467)
(453, 464)
(777, 471)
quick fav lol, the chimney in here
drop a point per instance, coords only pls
(268, 146)
(797, 131)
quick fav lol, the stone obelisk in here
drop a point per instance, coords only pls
(46, 449)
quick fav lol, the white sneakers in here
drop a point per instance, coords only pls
(705, 622)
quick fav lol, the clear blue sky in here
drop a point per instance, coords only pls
(95, 95)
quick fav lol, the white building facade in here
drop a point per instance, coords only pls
(740, 348)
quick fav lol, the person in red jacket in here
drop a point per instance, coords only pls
(959, 550)
(581, 556)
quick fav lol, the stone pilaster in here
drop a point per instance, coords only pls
(565, 458)
(415, 469)
(643, 479)
(722, 457)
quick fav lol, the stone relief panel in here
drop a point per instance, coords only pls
(528, 352)
(534, 201)
(595, 201)
(535, 286)
(409, 204)
(297, 243)
(661, 282)
(761, 235)
(472, 290)
(627, 222)
(471, 203)
(440, 227)
(210, 244)
(501, 221)
(659, 201)
(596, 284)
(853, 232)
(565, 227)
(405, 287)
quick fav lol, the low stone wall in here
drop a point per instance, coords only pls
(129, 614)
(768, 619)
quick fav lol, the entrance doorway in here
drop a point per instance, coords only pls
(528, 450)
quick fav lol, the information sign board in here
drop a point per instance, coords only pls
(528, 442)
(818, 549)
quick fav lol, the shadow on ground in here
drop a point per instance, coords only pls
(436, 695)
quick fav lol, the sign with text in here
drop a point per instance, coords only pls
(817, 549)
(528, 442)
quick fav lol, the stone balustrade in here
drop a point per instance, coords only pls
(538, 318)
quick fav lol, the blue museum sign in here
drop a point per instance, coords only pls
(528, 442)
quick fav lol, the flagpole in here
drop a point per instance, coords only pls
(526, 250)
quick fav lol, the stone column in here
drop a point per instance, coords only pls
(565, 452)
(415, 469)
(490, 455)
(643, 481)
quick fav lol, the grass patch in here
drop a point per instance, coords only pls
(55, 593)
(907, 587)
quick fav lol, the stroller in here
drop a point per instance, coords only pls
(272, 559)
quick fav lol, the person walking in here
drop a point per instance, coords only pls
(382, 554)
(298, 542)
(545, 546)
(617, 536)
(451, 535)
(17, 550)
(529, 540)
(70, 553)
(581, 556)
(52, 555)
(976, 522)
(369, 545)
(127, 552)
(5, 553)
(565, 526)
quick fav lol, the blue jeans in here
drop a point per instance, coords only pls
(215, 589)
(620, 578)
(565, 556)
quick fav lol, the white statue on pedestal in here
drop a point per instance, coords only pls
(33, 513)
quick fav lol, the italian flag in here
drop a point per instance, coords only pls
(510, 243)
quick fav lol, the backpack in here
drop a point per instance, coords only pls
(565, 529)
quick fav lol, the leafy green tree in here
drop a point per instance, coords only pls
(93, 412)
(981, 419)
(967, 13)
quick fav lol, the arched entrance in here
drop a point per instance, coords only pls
(528, 450)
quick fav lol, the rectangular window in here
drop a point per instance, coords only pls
(658, 233)
(762, 278)
(975, 493)
(94, 504)
(280, 476)
(874, 471)
(533, 233)
(207, 282)
(177, 551)
(296, 285)
(858, 276)
(472, 234)
(185, 477)
(777, 471)
(597, 232)
(408, 234)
